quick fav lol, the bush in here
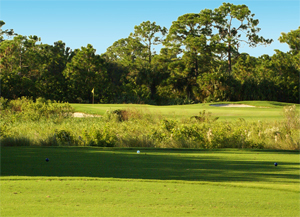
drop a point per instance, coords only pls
(98, 137)
(205, 117)
(291, 117)
(27, 109)
(18, 141)
(124, 114)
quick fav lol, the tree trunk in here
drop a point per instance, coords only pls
(153, 90)
(229, 58)
(196, 65)
(149, 49)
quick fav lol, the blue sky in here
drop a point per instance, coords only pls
(101, 23)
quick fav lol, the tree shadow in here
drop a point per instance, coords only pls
(282, 104)
(189, 165)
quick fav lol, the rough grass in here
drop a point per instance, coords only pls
(120, 182)
(160, 133)
(143, 127)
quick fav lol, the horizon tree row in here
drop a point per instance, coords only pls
(199, 62)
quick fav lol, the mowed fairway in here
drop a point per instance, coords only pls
(262, 110)
(157, 182)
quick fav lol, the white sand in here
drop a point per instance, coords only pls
(231, 105)
(83, 115)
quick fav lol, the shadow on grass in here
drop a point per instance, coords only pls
(282, 104)
(191, 165)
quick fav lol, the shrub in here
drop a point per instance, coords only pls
(126, 114)
(169, 125)
(3, 103)
(35, 111)
(291, 115)
(98, 137)
(63, 137)
(15, 141)
(205, 117)
(136, 141)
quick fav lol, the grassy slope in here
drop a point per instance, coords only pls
(156, 182)
(264, 110)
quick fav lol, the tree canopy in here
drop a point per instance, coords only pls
(196, 60)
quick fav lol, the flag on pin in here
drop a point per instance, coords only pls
(93, 90)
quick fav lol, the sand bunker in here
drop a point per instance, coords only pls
(231, 105)
(83, 115)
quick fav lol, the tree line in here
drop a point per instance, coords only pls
(199, 61)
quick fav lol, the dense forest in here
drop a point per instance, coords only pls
(198, 61)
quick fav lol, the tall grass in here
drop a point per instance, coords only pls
(45, 123)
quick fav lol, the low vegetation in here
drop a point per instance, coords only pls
(46, 123)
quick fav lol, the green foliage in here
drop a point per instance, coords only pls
(133, 127)
(26, 109)
(86, 70)
(169, 125)
(7, 32)
(98, 137)
(205, 117)
(291, 117)
(51, 83)
(199, 51)
(63, 137)
(23, 110)
(292, 39)
(9, 141)
(121, 114)
(290, 132)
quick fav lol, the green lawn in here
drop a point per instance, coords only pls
(263, 110)
(90, 181)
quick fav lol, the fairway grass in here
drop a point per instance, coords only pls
(263, 110)
(90, 181)
(81, 197)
